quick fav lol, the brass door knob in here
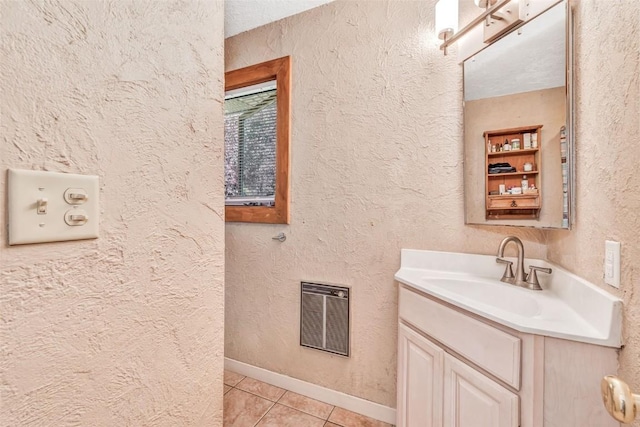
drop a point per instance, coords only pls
(620, 402)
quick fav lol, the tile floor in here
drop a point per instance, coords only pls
(252, 403)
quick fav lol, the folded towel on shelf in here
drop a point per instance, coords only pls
(501, 168)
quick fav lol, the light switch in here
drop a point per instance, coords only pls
(76, 196)
(51, 206)
(612, 263)
(42, 206)
(76, 217)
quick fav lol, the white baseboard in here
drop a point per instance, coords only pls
(332, 397)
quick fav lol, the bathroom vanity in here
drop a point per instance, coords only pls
(476, 352)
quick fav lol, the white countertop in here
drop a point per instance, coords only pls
(568, 307)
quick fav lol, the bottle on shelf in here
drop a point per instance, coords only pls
(525, 183)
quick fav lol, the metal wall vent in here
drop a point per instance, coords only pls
(324, 317)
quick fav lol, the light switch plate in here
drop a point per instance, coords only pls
(612, 263)
(39, 210)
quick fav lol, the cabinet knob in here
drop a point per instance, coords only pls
(514, 204)
(617, 397)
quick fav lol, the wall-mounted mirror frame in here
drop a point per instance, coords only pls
(511, 88)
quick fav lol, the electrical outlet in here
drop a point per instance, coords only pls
(612, 263)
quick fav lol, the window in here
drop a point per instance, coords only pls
(256, 141)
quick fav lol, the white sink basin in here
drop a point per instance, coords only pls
(568, 307)
(496, 294)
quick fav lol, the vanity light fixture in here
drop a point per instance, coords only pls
(486, 4)
(447, 19)
(483, 4)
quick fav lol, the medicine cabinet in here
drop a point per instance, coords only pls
(518, 85)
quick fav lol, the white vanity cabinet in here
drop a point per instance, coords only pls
(457, 369)
(471, 399)
(420, 380)
(435, 388)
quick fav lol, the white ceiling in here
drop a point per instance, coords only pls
(245, 15)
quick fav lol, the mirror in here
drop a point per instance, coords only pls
(518, 150)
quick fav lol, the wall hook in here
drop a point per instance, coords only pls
(280, 237)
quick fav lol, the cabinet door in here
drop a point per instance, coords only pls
(474, 400)
(420, 370)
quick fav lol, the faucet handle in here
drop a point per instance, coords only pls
(532, 278)
(508, 276)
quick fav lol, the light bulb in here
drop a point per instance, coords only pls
(446, 18)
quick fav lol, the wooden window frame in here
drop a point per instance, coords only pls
(280, 71)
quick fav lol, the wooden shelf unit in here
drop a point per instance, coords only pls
(513, 206)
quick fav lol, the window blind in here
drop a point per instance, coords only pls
(250, 146)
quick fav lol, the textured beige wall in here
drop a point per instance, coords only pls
(376, 167)
(126, 329)
(607, 127)
(541, 107)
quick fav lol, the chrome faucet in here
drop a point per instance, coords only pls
(520, 279)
